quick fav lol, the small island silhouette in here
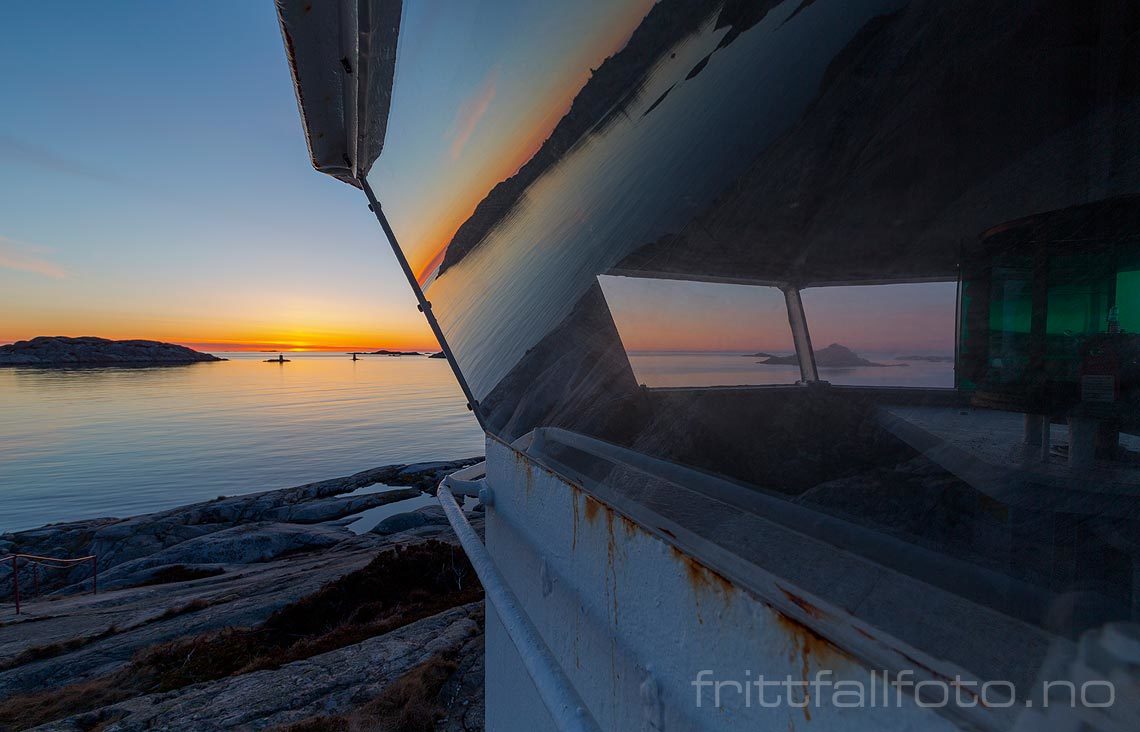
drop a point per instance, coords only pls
(92, 351)
(834, 356)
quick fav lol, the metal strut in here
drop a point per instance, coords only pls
(424, 305)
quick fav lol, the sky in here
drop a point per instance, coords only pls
(154, 180)
(154, 183)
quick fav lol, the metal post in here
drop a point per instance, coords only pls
(16, 584)
(424, 304)
(800, 336)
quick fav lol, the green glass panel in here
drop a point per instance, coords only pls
(1076, 310)
(1128, 300)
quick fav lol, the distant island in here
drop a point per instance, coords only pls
(386, 352)
(834, 356)
(931, 359)
(92, 351)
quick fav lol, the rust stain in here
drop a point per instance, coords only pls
(806, 645)
(667, 532)
(700, 576)
(628, 527)
(801, 603)
(807, 641)
(593, 506)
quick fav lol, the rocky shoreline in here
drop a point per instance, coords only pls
(233, 571)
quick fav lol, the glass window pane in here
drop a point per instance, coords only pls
(884, 335)
(682, 333)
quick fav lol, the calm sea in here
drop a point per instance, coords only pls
(82, 443)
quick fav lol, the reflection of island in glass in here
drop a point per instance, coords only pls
(608, 94)
(834, 356)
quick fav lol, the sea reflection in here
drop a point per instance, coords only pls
(79, 443)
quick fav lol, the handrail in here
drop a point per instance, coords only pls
(38, 561)
(554, 688)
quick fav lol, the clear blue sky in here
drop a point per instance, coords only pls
(154, 182)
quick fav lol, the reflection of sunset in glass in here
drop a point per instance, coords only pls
(461, 122)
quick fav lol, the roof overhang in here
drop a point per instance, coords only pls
(342, 55)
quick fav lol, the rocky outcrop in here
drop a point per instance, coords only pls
(326, 684)
(330, 509)
(181, 535)
(88, 350)
(100, 633)
(403, 522)
(245, 544)
(325, 619)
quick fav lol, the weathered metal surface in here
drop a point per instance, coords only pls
(342, 56)
(632, 618)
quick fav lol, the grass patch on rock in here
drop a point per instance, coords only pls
(409, 704)
(51, 650)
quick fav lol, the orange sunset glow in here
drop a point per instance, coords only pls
(483, 154)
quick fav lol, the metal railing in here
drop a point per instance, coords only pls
(12, 562)
(554, 688)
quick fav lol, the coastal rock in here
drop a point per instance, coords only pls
(327, 684)
(330, 509)
(89, 350)
(118, 541)
(258, 542)
(426, 516)
(98, 634)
